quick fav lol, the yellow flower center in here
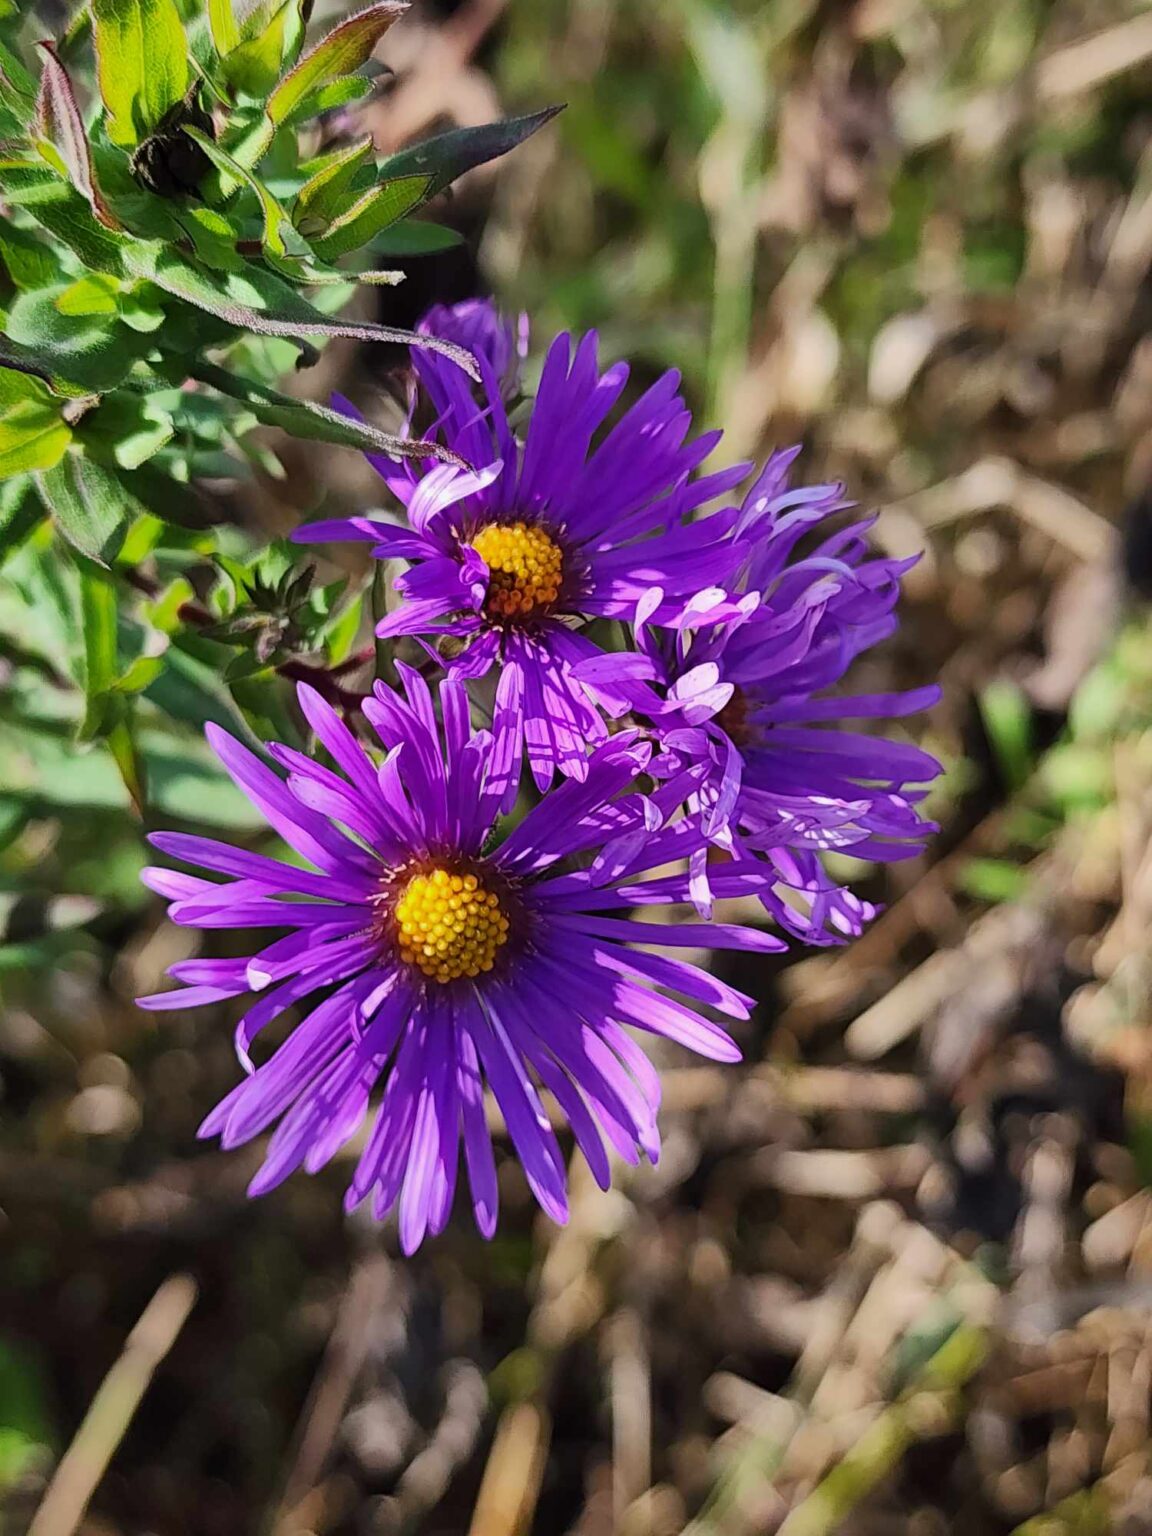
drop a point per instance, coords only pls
(526, 568)
(449, 926)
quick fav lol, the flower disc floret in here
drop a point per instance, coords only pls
(449, 926)
(526, 569)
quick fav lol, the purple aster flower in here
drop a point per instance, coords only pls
(479, 327)
(576, 522)
(739, 687)
(435, 959)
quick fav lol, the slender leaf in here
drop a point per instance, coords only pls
(278, 230)
(222, 24)
(142, 64)
(257, 300)
(449, 155)
(307, 419)
(375, 212)
(61, 128)
(328, 98)
(98, 616)
(343, 51)
(415, 237)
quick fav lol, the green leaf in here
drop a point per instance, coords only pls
(449, 155)
(87, 349)
(125, 430)
(337, 93)
(278, 231)
(1007, 717)
(98, 617)
(20, 511)
(62, 135)
(323, 195)
(257, 300)
(213, 237)
(95, 295)
(306, 419)
(33, 434)
(222, 24)
(17, 358)
(375, 212)
(30, 260)
(343, 51)
(63, 212)
(268, 33)
(142, 64)
(91, 505)
(415, 237)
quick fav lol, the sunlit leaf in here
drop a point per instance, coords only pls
(341, 52)
(142, 64)
(374, 212)
(324, 194)
(62, 135)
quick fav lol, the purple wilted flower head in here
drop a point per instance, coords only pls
(436, 960)
(740, 686)
(575, 522)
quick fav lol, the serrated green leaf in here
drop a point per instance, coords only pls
(142, 64)
(90, 504)
(341, 52)
(375, 212)
(449, 155)
(322, 196)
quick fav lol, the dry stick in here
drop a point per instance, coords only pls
(112, 1409)
(333, 1385)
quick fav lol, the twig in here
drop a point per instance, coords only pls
(321, 1419)
(112, 1409)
